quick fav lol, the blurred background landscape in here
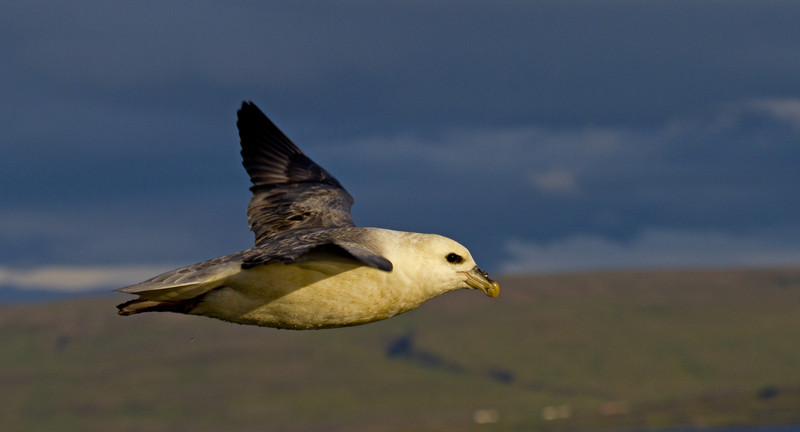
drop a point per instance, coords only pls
(595, 351)
(627, 170)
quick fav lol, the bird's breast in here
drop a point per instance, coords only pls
(312, 295)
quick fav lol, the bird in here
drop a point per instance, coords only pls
(311, 266)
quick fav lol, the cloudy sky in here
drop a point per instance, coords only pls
(544, 135)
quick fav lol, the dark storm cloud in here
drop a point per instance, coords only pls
(734, 175)
(416, 64)
(530, 122)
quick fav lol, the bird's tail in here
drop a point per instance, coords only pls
(143, 305)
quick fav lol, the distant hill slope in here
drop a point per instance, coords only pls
(583, 351)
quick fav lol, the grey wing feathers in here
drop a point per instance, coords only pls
(366, 256)
(187, 282)
(290, 191)
(301, 246)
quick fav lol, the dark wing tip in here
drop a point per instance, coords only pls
(250, 115)
(248, 108)
(268, 155)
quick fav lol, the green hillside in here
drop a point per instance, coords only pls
(604, 350)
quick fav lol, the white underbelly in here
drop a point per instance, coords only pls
(310, 295)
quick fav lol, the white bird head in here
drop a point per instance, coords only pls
(440, 263)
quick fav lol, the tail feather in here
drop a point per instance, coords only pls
(180, 290)
(143, 305)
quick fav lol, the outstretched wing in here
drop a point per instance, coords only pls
(187, 282)
(193, 281)
(290, 191)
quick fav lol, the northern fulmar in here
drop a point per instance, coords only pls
(311, 267)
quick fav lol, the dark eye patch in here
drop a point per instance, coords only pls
(454, 258)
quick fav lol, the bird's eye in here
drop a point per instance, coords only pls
(454, 258)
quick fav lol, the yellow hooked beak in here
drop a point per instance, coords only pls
(477, 278)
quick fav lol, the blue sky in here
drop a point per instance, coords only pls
(543, 135)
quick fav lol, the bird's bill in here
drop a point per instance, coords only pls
(477, 278)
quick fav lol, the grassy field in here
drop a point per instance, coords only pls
(564, 352)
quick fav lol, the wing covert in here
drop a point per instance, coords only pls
(314, 244)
